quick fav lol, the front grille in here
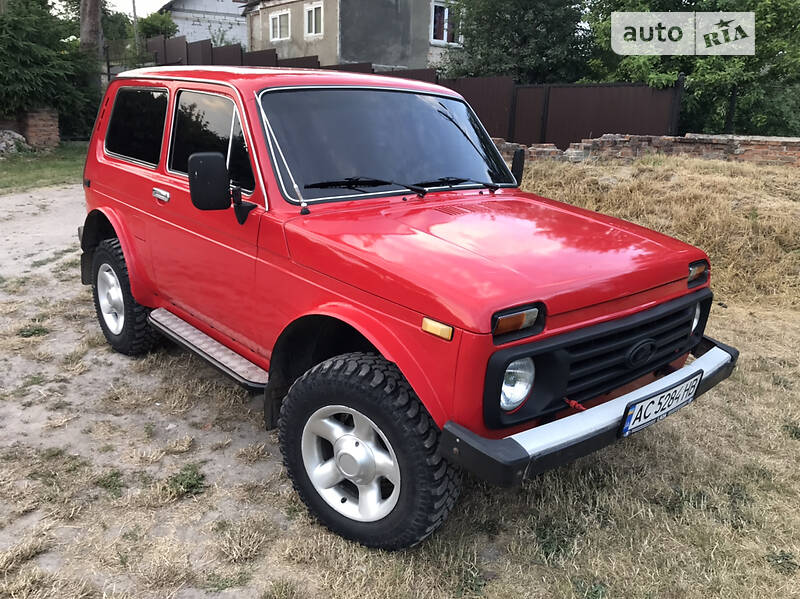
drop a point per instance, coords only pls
(601, 365)
(589, 362)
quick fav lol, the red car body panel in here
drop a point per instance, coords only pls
(379, 265)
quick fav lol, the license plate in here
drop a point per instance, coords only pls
(644, 412)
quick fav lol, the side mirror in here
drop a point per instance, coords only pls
(209, 185)
(518, 165)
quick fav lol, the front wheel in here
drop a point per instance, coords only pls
(360, 449)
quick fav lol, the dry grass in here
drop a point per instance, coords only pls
(166, 565)
(245, 540)
(36, 542)
(747, 217)
(141, 497)
(35, 583)
(255, 452)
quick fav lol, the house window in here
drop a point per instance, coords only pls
(313, 19)
(444, 24)
(279, 26)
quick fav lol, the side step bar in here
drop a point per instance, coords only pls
(240, 369)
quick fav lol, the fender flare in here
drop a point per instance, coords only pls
(141, 286)
(391, 348)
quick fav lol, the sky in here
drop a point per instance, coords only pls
(143, 7)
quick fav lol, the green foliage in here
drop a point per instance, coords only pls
(117, 26)
(565, 42)
(532, 42)
(157, 24)
(187, 482)
(111, 482)
(764, 86)
(40, 68)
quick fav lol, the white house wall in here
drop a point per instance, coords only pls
(210, 19)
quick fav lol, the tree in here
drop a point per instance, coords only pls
(157, 24)
(39, 67)
(117, 26)
(532, 42)
(743, 94)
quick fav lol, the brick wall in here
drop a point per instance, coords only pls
(764, 150)
(40, 128)
(10, 124)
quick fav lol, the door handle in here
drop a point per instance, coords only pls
(160, 194)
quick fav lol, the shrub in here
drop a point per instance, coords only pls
(41, 67)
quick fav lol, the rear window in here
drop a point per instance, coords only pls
(209, 123)
(136, 127)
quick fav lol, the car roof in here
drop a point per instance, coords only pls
(253, 79)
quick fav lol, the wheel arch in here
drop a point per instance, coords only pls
(334, 330)
(105, 223)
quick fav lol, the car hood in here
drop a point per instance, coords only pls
(460, 260)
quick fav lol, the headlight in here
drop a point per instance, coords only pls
(696, 321)
(517, 384)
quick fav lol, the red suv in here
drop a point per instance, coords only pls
(356, 248)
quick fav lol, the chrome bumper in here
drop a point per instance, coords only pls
(508, 461)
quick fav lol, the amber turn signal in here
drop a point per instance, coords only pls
(698, 272)
(437, 328)
(515, 322)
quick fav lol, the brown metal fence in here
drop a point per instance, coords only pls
(526, 114)
(561, 114)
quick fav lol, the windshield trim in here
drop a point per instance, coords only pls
(272, 144)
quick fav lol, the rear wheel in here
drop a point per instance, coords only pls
(122, 319)
(360, 449)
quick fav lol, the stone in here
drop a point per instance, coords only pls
(12, 142)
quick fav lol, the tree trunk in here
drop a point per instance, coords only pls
(92, 33)
(91, 27)
(731, 111)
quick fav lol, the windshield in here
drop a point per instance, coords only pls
(348, 143)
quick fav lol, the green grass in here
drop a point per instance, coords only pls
(189, 481)
(38, 169)
(111, 482)
(32, 330)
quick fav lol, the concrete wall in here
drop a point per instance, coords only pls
(204, 19)
(387, 33)
(325, 46)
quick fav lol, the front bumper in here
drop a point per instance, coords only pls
(508, 461)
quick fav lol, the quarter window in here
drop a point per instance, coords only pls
(313, 19)
(136, 126)
(210, 123)
(279, 26)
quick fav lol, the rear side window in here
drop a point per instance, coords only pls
(210, 123)
(136, 127)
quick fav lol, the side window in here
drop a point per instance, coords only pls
(136, 126)
(209, 123)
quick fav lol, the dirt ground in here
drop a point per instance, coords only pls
(153, 477)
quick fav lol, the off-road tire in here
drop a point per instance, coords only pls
(375, 387)
(136, 336)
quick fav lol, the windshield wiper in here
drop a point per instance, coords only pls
(358, 182)
(453, 181)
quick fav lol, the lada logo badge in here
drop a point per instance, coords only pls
(641, 353)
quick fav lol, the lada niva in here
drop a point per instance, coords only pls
(355, 248)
